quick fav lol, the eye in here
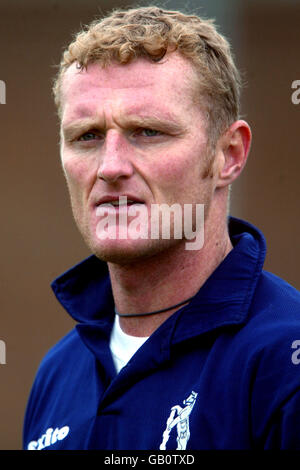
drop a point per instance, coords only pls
(150, 132)
(87, 136)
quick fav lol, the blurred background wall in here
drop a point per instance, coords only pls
(38, 237)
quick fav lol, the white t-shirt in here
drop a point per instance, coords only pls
(122, 345)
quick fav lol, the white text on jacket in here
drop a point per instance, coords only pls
(50, 437)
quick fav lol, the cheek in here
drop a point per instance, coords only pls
(79, 175)
(183, 177)
(177, 171)
(77, 179)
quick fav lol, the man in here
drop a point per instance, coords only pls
(178, 346)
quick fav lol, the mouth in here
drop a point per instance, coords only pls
(118, 202)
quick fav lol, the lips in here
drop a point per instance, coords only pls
(118, 201)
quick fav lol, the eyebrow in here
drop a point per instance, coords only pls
(74, 128)
(168, 124)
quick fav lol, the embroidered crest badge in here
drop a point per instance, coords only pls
(179, 417)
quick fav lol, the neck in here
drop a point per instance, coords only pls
(166, 279)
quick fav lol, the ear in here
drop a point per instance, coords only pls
(233, 149)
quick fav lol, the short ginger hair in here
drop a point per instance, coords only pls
(151, 32)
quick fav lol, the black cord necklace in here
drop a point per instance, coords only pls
(153, 313)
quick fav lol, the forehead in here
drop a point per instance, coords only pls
(139, 84)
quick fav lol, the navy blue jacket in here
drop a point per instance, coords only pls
(222, 372)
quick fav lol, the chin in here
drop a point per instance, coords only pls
(130, 252)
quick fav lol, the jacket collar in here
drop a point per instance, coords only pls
(85, 290)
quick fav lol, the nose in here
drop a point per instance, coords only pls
(114, 161)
